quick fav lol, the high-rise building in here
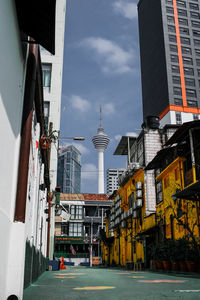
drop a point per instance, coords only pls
(69, 170)
(169, 33)
(113, 179)
(100, 141)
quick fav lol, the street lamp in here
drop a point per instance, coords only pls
(76, 138)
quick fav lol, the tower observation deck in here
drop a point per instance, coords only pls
(100, 141)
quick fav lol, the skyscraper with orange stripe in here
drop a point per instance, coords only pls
(169, 33)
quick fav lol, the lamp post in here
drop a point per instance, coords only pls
(76, 138)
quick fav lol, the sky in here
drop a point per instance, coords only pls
(101, 67)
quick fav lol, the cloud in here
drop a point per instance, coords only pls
(79, 103)
(111, 57)
(118, 137)
(89, 171)
(108, 109)
(133, 134)
(125, 8)
(79, 146)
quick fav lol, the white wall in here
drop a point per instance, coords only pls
(12, 73)
(170, 118)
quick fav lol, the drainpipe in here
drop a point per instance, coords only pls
(49, 223)
(192, 155)
(26, 128)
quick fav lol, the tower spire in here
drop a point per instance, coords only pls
(100, 116)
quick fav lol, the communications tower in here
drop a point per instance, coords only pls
(100, 141)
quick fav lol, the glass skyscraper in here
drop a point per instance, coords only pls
(69, 170)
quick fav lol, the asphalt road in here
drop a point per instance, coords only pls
(100, 283)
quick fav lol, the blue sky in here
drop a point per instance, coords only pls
(101, 67)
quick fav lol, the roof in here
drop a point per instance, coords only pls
(182, 131)
(158, 159)
(37, 20)
(191, 192)
(122, 148)
(84, 197)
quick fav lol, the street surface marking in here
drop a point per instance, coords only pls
(188, 291)
(64, 277)
(163, 280)
(95, 288)
(138, 276)
(68, 274)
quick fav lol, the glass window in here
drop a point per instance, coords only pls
(184, 30)
(177, 90)
(192, 103)
(169, 10)
(187, 61)
(196, 42)
(182, 12)
(183, 21)
(174, 58)
(196, 33)
(172, 38)
(185, 40)
(195, 15)
(188, 71)
(195, 117)
(168, 2)
(170, 19)
(46, 75)
(178, 118)
(176, 79)
(189, 81)
(175, 69)
(194, 6)
(198, 72)
(197, 51)
(191, 93)
(173, 48)
(181, 3)
(186, 50)
(198, 62)
(195, 24)
(75, 229)
(178, 101)
(171, 28)
(76, 212)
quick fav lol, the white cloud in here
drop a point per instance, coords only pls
(79, 146)
(79, 103)
(133, 134)
(111, 57)
(118, 137)
(108, 109)
(89, 171)
(125, 8)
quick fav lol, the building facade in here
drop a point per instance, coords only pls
(77, 239)
(113, 179)
(69, 170)
(52, 70)
(169, 35)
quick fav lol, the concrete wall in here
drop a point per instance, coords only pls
(12, 74)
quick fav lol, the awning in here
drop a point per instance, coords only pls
(37, 20)
(191, 192)
(182, 132)
(158, 159)
(122, 148)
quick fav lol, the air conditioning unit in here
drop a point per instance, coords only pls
(139, 194)
(139, 185)
(139, 203)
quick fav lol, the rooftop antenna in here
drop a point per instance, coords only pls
(100, 116)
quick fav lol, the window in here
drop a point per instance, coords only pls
(75, 229)
(177, 90)
(76, 212)
(198, 72)
(195, 117)
(46, 115)
(191, 93)
(185, 40)
(178, 101)
(184, 30)
(195, 15)
(172, 38)
(175, 69)
(197, 42)
(187, 61)
(173, 48)
(186, 50)
(183, 21)
(176, 79)
(197, 51)
(169, 10)
(182, 12)
(170, 19)
(168, 2)
(159, 194)
(46, 75)
(195, 24)
(65, 229)
(181, 3)
(174, 58)
(194, 6)
(198, 62)
(189, 81)
(188, 71)
(171, 28)
(178, 118)
(196, 33)
(192, 103)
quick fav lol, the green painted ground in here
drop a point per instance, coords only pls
(111, 284)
